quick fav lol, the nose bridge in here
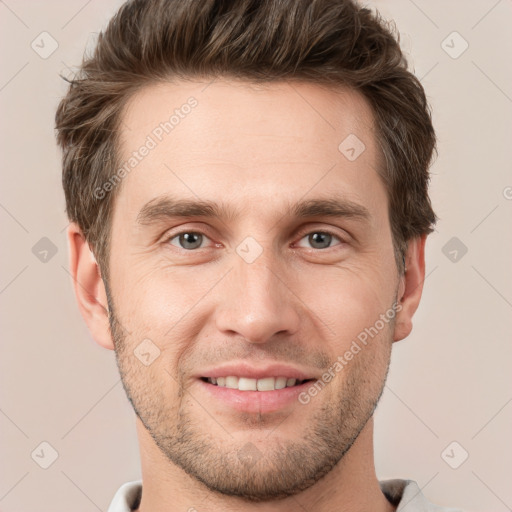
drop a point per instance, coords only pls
(258, 280)
(256, 302)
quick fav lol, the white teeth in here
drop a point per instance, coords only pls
(246, 384)
(232, 382)
(267, 384)
(280, 382)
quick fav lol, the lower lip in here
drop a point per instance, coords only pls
(256, 401)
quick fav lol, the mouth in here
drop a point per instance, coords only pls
(253, 384)
(239, 386)
(259, 396)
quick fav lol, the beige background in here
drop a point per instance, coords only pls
(449, 381)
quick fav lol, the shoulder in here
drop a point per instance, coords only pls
(406, 495)
(127, 497)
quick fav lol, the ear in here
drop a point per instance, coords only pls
(89, 287)
(410, 287)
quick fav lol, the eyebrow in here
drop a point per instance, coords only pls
(167, 207)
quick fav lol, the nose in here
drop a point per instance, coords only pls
(257, 301)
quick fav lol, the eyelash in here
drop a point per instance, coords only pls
(302, 234)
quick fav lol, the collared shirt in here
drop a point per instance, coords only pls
(404, 494)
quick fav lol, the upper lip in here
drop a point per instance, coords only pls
(256, 372)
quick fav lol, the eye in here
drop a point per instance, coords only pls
(321, 239)
(188, 240)
(191, 240)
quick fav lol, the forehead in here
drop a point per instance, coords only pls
(256, 144)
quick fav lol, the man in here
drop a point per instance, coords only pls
(248, 188)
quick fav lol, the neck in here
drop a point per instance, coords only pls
(351, 485)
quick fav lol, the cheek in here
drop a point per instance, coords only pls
(347, 300)
(170, 305)
(159, 305)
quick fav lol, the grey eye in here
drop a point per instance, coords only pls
(320, 240)
(188, 240)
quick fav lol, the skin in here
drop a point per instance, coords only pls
(258, 149)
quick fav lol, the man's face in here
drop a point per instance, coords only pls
(258, 287)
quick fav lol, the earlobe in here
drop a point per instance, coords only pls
(89, 287)
(411, 287)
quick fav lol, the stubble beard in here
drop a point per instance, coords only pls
(254, 472)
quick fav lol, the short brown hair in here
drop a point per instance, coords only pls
(330, 42)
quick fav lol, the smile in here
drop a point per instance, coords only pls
(247, 384)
